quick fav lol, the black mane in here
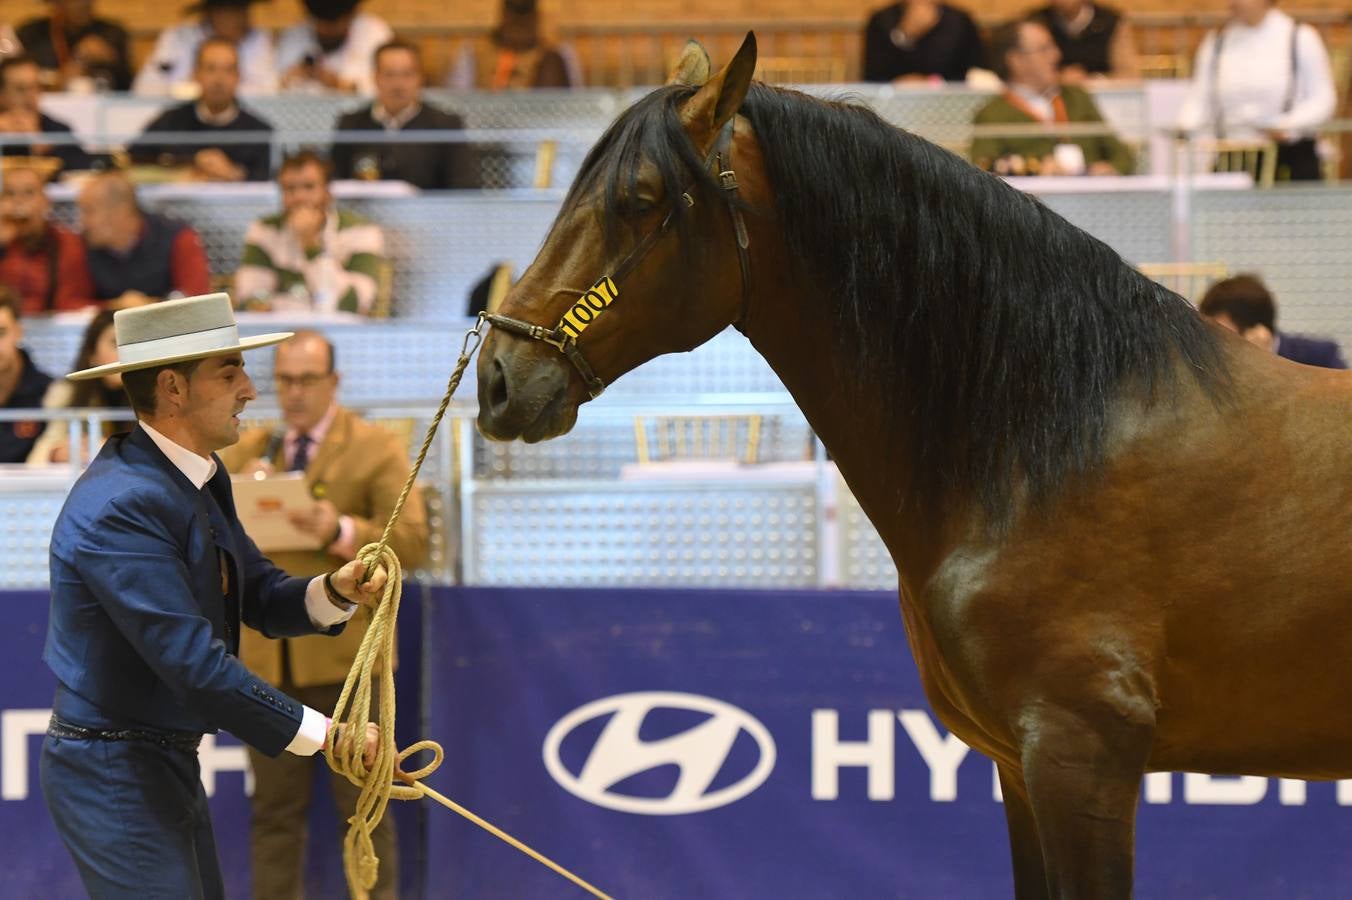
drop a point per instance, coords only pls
(1005, 334)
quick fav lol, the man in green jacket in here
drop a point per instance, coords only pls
(1026, 57)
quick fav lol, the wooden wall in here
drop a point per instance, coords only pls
(624, 42)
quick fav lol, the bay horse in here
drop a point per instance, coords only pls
(1119, 530)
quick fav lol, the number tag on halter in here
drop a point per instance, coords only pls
(588, 307)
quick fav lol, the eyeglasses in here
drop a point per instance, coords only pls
(306, 381)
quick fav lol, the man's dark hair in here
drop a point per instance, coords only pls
(10, 300)
(397, 44)
(214, 41)
(140, 384)
(13, 62)
(1244, 300)
(302, 158)
(1006, 39)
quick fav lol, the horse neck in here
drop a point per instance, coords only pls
(793, 330)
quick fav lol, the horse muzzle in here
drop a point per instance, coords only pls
(523, 393)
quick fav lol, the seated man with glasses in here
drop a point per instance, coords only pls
(355, 471)
(1026, 57)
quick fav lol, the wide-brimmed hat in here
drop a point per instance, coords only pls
(177, 331)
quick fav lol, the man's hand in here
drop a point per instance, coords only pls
(368, 754)
(216, 166)
(320, 519)
(307, 224)
(346, 579)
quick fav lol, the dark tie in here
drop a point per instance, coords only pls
(301, 458)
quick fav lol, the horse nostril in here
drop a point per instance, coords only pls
(497, 389)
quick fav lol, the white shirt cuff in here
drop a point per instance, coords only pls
(323, 613)
(312, 733)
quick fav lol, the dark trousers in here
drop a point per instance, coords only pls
(281, 811)
(1299, 161)
(135, 818)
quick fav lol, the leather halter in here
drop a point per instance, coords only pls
(566, 343)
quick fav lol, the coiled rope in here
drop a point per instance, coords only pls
(377, 782)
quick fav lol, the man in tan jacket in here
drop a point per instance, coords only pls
(355, 471)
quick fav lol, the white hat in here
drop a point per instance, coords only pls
(176, 331)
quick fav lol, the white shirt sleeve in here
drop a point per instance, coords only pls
(1315, 95)
(323, 613)
(311, 735)
(257, 64)
(1197, 111)
(169, 63)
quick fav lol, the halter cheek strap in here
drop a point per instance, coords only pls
(564, 336)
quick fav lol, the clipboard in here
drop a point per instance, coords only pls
(262, 505)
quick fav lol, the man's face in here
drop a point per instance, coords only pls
(11, 333)
(1258, 335)
(398, 80)
(305, 386)
(21, 89)
(231, 23)
(216, 394)
(332, 33)
(1033, 62)
(103, 221)
(304, 186)
(217, 74)
(24, 204)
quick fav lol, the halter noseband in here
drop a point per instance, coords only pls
(564, 336)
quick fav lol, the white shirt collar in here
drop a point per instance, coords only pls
(321, 429)
(220, 119)
(393, 122)
(196, 469)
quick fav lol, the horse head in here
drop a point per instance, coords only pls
(648, 254)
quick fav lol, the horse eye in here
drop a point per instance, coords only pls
(641, 206)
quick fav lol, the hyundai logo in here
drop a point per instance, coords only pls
(616, 756)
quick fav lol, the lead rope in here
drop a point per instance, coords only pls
(377, 783)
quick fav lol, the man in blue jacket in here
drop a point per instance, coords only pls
(151, 575)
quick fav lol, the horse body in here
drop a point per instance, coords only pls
(1180, 597)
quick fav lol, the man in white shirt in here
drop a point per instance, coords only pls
(334, 50)
(168, 70)
(1263, 75)
(152, 578)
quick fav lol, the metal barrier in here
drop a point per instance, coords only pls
(770, 524)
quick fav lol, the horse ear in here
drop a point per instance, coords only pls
(693, 67)
(721, 97)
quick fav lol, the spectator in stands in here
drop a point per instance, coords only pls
(171, 65)
(22, 384)
(312, 256)
(1026, 58)
(99, 347)
(1094, 40)
(399, 107)
(39, 260)
(1244, 305)
(522, 54)
(334, 50)
(20, 89)
(77, 49)
(355, 471)
(919, 40)
(216, 112)
(136, 257)
(1262, 75)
